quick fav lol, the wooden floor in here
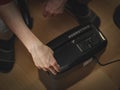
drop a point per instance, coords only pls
(24, 75)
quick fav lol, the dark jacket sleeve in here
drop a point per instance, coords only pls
(2, 2)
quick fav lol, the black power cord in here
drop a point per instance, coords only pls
(116, 16)
(104, 64)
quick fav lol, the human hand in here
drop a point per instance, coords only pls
(43, 59)
(53, 7)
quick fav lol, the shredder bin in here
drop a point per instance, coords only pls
(66, 79)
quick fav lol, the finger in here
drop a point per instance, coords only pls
(52, 70)
(58, 12)
(48, 12)
(45, 13)
(45, 69)
(55, 65)
(39, 67)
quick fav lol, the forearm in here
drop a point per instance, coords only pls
(42, 55)
(12, 17)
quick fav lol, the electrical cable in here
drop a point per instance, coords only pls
(104, 64)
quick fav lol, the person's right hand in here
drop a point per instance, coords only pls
(43, 58)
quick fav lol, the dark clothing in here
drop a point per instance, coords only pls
(2, 2)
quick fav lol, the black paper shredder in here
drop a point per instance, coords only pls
(72, 50)
(77, 45)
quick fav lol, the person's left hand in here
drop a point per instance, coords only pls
(53, 7)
